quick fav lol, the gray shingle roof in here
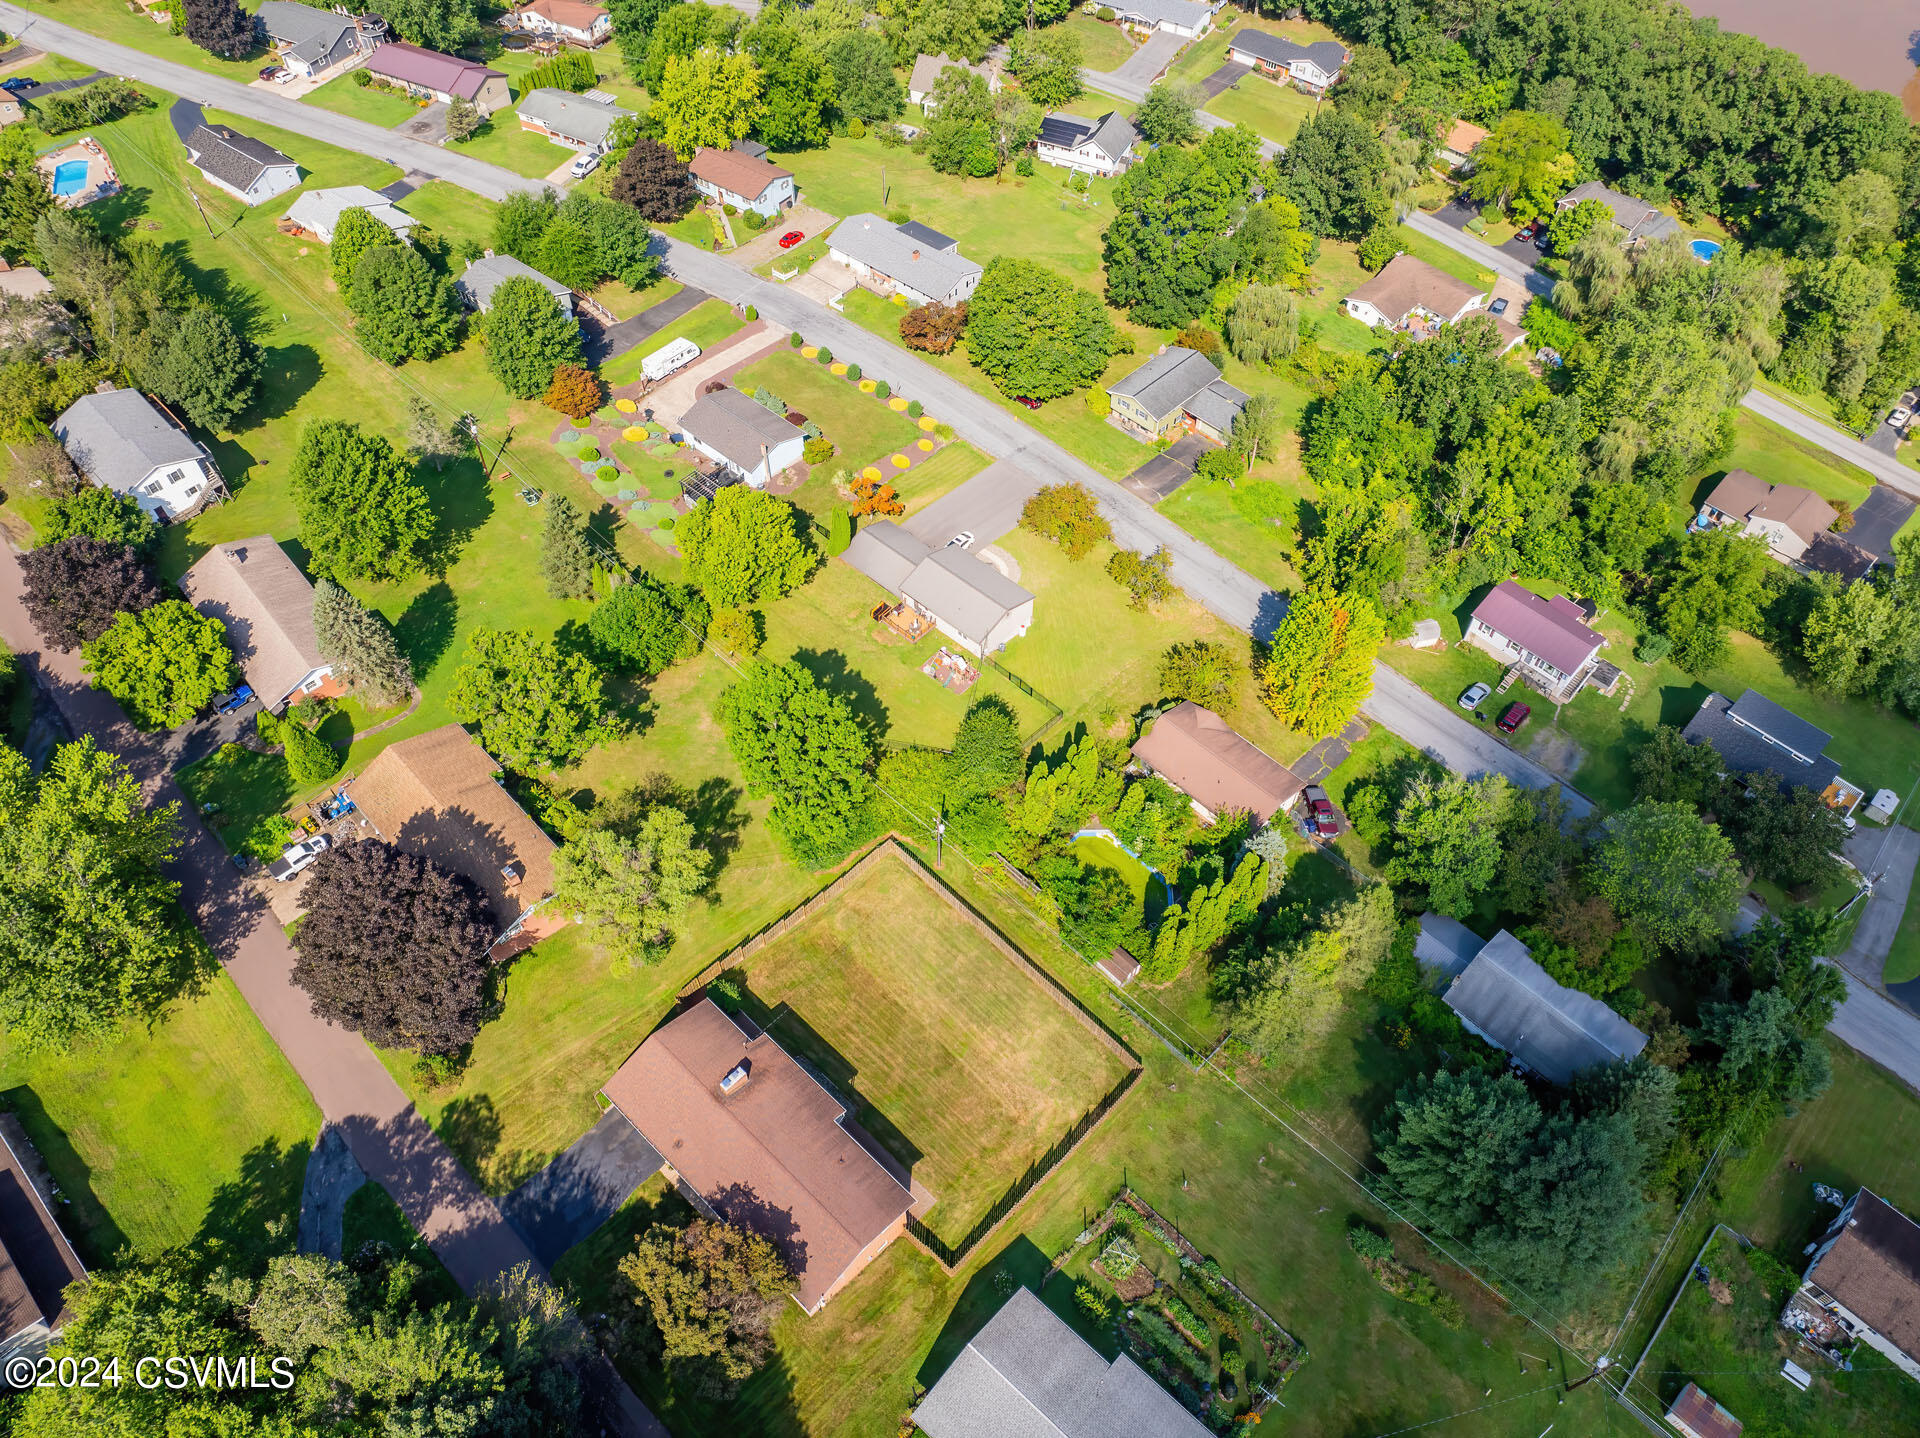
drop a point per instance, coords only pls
(1028, 1375)
(1192, 13)
(1329, 55)
(869, 239)
(1218, 405)
(320, 210)
(1182, 379)
(571, 115)
(234, 158)
(886, 553)
(1780, 724)
(253, 588)
(736, 425)
(1445, 944)
(305, 24)
(1515, 1005)
(118, 438)
(486, 274)
(1640, 220)
(968, 593)
(1111, 134)
(1745, 750)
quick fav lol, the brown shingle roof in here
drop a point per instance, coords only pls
(1750, 497)
(1698, 1416)
(435, 795)
(575, 14)
(737, 173)
(769, 1154)
(1873, 1269)
(1406, 283)
(36, 1261)
(1199, 752)
(253, 588)
(1461, 137)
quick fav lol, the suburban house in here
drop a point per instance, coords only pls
(564, 118)
(1218, 769)
(749, 1134)
(1635, 218)
(1191, 18)
(22, 282)
(747, 182)
(310, 41)
(1695, 1415)
(737, 431)
(963, 596)
(1177, 389)
(1458, 141)
(248, 169)
(123, 441)
(1865, 1279)
(1028, 1373)
(430, 75)
(1313, 68)
(483, 276)
(438, 795)
(1548, 638)
(1788, 517)
(252, 587)
(11, 112)
(1754, 735)
(571, 21)
(1414, 296)
(36, 1261)
(1547, 1028)
(318, 211)
(1445, 946)
(1105, 146)
(920, 263)
(927, 68)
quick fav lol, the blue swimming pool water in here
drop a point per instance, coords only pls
(1704, 250)
(69, 177)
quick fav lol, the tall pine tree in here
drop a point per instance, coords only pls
(359, 645)
(565, 561)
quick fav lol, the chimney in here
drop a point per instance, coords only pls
(513, 873)
(916, 253)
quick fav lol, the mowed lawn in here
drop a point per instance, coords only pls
(384, 108)
(964, 1066)
(863, 429)
(1264, 106)
(706, 324)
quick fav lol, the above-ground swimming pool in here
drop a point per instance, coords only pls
(1704, 250)
(69, 177)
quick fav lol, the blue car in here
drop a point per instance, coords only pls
(230, 703)
(18, 83)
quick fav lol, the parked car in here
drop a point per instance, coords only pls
(232, 700)
(1542, 238)
(1474, 693)
(792, 238)
(964, 539)
(1321, 813)
(1898, 419)
(1515, 716)
(296, 857)
(585, 165)
(1022, 400)
(1527, 231)
(18, 83)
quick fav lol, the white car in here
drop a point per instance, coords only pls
(1474, 694)
(588, 162)
(296, 857)
(964, 539)
(1898, 419)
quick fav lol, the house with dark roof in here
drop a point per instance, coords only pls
(964, 597)
(890, 261)
(1106, 146)
(266, 604)
(1753, 735)
(427, 74)
(311, 41)
(1635, 219)
(1694, 1414)
(1865, 1276)
(1179, 389)
(1215, 766)
(123, 441)
(37, 1263)
(250, 170)
(1788, 517)
(1549, 1029)
(743, 436)
(927, 70)
(439, 795)
(1414, 296)
(576, 121)
(1313, 68)
(753, 1138)
(747, 182)
(1191, 18)
(485, 275)
(1028, 1375)
(1548, 638)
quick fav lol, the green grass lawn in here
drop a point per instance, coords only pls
(947, 1051)
(197, 1125)
(385, 108)
(501, 141)
(863, 429)
(113, 20)
(951, 465)
(707, 323)
(1763, 448)
(1103, 45)
(457, 214)
(1903, 959)
(1263, 106)
(243, 796)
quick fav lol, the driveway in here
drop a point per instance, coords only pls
(676, 395)
(987, 506)
(1224, 79)
(1879, 518)
(404, 186)
(766, 245)
(582, 1188)
(1329, 754)
(1168, 470)
(1140, 69)
(1514, 260)
(603, 342)
(428, 126)
(1887, 857)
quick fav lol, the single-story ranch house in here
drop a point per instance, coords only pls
(123, 441)
(438, 795)
(927, 69)
(1191, 18)
(250, 170)
(1636, 219)
(922, 264)
(485, 275)
(1412, 295)
(1548, 638)
(1180, 389)
(966, 598)
(1458, 141)
(318, 211)
(310, 41)
(748, 1132)
(266, 603)
(445, 78)
(1106, 146)
(573, 22)
(576, 121)
(1865, 1279)
(1217, 768)
(740, 433)
(1314, 68)
(747, 182)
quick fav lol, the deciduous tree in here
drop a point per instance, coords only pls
(1047, 65)
(528, 337)
(195, 361)
(1320, 665)
(1067, 514)
(1146, 577)
(98, 513)
(1523, 165)
(1204, 672)
(362, 514)
(443, 25)
(76, 587)
(797, 84)
(1711, 589)
(711, 1291)
(745, 547)
(803, 746)
(647, 625)
(654, 181)
(934, 328)
(163, 663)
(707, 99)
(1263, 325)
(1447, 838)
(1033, 333)
(401, 308)
(1332, 172)
(575, 390)
(1167, 115)
(865, 86)
(354, 233)
(633, 881)
(220, 27)
(538, 706)
(1668, 872)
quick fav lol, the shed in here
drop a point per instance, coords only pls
(1119, 966)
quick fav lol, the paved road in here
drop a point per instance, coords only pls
(1873, 1024)
(1887, 857)
(237, 99)
(1499, 261)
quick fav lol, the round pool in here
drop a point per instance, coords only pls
(1704, 250)
(69, 177)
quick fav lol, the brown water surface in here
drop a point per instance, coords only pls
(1870, 42)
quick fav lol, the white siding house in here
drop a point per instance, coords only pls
(921, 264)
(1190, 18)
(123, 442)
(1106, 146)
(250, 170)
(747, 182)
(746, 437)
(1314, 68)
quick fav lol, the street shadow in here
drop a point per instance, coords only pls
(427, 628)
(838, 677)
(255, 1213)
(88, 1226)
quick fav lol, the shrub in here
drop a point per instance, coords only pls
(362, 79)
(818, 451)
(575, 390)
(1101, 405)
(737, 631)
(1186, 1318)
(794, 341)
(1066, 514)
(725, 991)
(915, 409)
(853, 373)
(754, 221)
(1093, 1302)
(1652, 648)
(751, 314)
(1023, 166)
(899, 216)
(1379, 246)
(1369, 1242)
(883, 390)
(667, 523)
(730, 210)
(1163, 1336)
(856, 128)
(1105, 12)
(588, 453)
(826, 355)
(606, 474)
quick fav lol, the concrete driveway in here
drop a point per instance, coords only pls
(766, 245)
(1167, 471)
(987, 506)
(676, 396)
(1887, 857)
(823, 282)
(1878, 519)
(1140, 69)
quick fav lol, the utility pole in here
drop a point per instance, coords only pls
(939, 839)
(201, 208)
(1601, 1365)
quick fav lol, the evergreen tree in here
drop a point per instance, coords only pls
(565, 561)
(359, 645)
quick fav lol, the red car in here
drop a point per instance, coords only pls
(792, 238)
(1515, 716)
(1021, 399)
(1326, 823)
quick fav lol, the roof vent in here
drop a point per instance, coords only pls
(916, 252)
(513, 873)
(736, 1076)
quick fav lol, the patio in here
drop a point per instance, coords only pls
(79, 173)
